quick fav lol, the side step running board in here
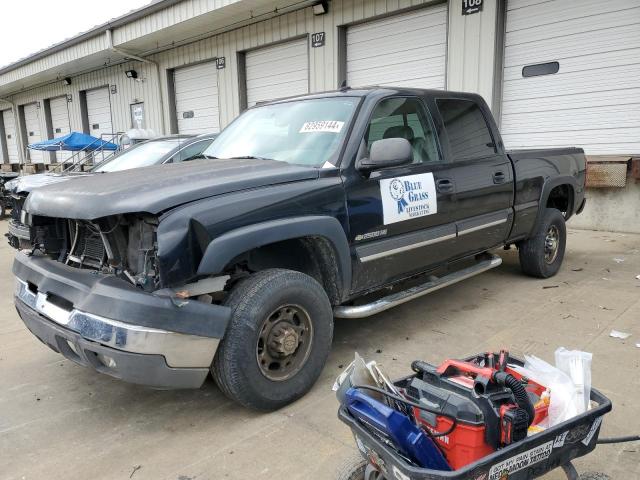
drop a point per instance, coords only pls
(398, 298)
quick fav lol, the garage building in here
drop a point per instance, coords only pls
(555, 73)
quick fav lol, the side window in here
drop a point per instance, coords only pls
(467, 129)
(191, 151)
(404, 118)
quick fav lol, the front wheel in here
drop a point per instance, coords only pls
(277, 341)
(541, 255)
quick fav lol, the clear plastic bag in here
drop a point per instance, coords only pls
(577, 365)
(562, 405)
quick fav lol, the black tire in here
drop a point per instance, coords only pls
(536, 257)
(257, 303)
(594, 476)
(352, 468)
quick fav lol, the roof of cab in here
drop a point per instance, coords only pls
(377, 90)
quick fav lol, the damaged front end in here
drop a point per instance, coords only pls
(91, 290)
(124, 245)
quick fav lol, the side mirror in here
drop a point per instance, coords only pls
(388, 152)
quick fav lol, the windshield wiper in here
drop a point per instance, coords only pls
(249, 157)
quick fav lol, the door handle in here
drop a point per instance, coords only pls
(499, 177)
(444, 185)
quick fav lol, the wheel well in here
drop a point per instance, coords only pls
(561, 198)
(314, 256)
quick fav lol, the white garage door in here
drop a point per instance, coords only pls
(277, 71)
(593, 101)
(32, 124)
(99, 112)
(60, 122)
(196, 89)
(406, 50)
(10, 136)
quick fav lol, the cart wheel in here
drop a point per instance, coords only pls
(353, 468)
(594, 476)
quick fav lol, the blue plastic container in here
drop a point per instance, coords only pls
(397, 428)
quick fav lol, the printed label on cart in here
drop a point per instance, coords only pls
(560, 439)
(520, 461)
(592, 432)
(404, 198)
(327, 126)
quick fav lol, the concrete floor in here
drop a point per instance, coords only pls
(58, 420)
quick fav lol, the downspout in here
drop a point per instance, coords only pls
(16, 120)
(143, 60)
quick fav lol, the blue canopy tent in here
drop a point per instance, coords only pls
(73, 142)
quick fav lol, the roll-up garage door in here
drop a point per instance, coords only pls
(571, 75)
(32, 124)
(60, 122)
(99, 112)
(10, 136)
(405, 50)
(196, 91)
(277, 71)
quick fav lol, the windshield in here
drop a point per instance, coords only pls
(303, 132)
(142, 155)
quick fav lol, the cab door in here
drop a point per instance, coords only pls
(482, 172)
(401, 218)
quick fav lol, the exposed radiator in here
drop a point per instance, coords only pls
(87, 246)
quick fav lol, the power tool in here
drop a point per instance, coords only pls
(493, 405)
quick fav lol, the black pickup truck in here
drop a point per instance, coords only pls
(340, 204)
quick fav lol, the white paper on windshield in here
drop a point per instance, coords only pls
(326, 126)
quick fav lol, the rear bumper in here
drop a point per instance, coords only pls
(160, 341)
(581, 206)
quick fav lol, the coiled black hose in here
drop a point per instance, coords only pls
(518, 390)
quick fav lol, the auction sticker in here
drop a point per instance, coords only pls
(326, 126)
(404, 198)
(520, 461)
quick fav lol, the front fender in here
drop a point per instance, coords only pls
(226, 247)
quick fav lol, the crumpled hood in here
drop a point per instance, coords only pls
(27, 183)
(157, 188)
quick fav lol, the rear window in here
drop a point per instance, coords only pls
(468, 132)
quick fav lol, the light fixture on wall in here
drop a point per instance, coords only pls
(321, 8)
(131, 74)
(67, 81)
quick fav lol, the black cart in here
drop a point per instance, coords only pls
(530, 458)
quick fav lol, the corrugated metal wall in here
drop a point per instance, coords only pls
(323, 62)
(128, 91)
(83, 49)
(470, 63)
(472, 50)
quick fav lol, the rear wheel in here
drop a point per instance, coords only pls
(277, 340)
(541, 255)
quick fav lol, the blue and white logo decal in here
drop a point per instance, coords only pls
(404, 198)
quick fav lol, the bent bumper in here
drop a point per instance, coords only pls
(87, 317)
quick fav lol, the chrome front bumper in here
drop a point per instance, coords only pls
(179, 350)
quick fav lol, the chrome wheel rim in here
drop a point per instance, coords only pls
(551, 244)
(284, 342)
